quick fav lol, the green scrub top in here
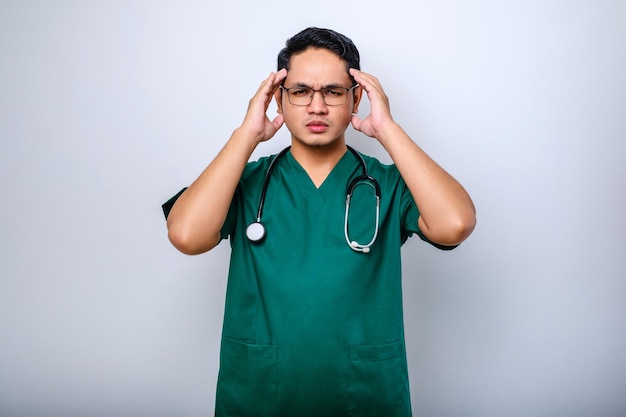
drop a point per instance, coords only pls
(312, 327)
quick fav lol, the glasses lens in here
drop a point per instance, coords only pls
(300, 96)
(334, 96)
(304, 96)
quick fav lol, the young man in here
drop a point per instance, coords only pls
(313, 320)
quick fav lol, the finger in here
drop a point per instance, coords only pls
(278, 121)
(355, 72)
(361, 76)
(272, 81)
(266, 83)
(278, 79)
(268, 87)
(367, 81)
(281, 75)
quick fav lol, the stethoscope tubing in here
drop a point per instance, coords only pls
(365, 248)
(256, 231)
(267, 181)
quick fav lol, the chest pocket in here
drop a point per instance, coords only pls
(379, 385)
(247, 380)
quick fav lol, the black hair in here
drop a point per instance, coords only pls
(320, 38)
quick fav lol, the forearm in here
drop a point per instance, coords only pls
(196, 219)
(447, 213)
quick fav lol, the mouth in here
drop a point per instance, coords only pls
(317, 126)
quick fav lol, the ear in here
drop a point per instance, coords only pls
(358, 94)
(278, 96)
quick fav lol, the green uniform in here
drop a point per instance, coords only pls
(312, 327)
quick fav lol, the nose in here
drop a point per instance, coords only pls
(317, 103)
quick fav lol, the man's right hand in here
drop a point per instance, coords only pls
(256, 122)
(196, 219)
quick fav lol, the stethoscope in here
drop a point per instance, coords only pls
(256, 231)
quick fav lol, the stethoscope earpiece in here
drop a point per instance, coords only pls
(256, 231)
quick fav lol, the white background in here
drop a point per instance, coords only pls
(107, 108)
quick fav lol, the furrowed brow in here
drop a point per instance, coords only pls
(328, 86)
(331, 86)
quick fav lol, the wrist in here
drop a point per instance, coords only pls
(388, 133)
(246, 138)
(246, 134)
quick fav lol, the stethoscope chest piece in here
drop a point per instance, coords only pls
(255, 232)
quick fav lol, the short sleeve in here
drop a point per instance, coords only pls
(230, 222)
(167, 206)
(230, 217)
(410, 216)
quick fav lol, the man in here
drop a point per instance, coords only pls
(313, 319)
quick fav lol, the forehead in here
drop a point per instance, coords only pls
(317, 67)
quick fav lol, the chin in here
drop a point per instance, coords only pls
(318, 141)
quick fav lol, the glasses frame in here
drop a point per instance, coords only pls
(313, 91)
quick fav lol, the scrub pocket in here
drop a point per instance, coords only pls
(246, 385)
(379, 385)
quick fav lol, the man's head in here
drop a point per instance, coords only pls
(318, 95)
(320, 38)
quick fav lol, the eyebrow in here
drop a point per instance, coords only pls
(303, 85)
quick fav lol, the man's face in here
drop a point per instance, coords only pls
(317, 124)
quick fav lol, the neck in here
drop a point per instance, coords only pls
(318, 161)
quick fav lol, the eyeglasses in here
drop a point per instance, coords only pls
(332, 96)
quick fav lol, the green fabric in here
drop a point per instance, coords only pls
(311, 327)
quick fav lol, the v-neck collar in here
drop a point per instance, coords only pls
(338, 177)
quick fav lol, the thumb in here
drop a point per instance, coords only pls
(278, 121)
(356, 122)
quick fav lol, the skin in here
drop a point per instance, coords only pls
(447, 214)
(317, 152)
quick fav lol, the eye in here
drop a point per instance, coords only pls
(334, 92)
(300, 92)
